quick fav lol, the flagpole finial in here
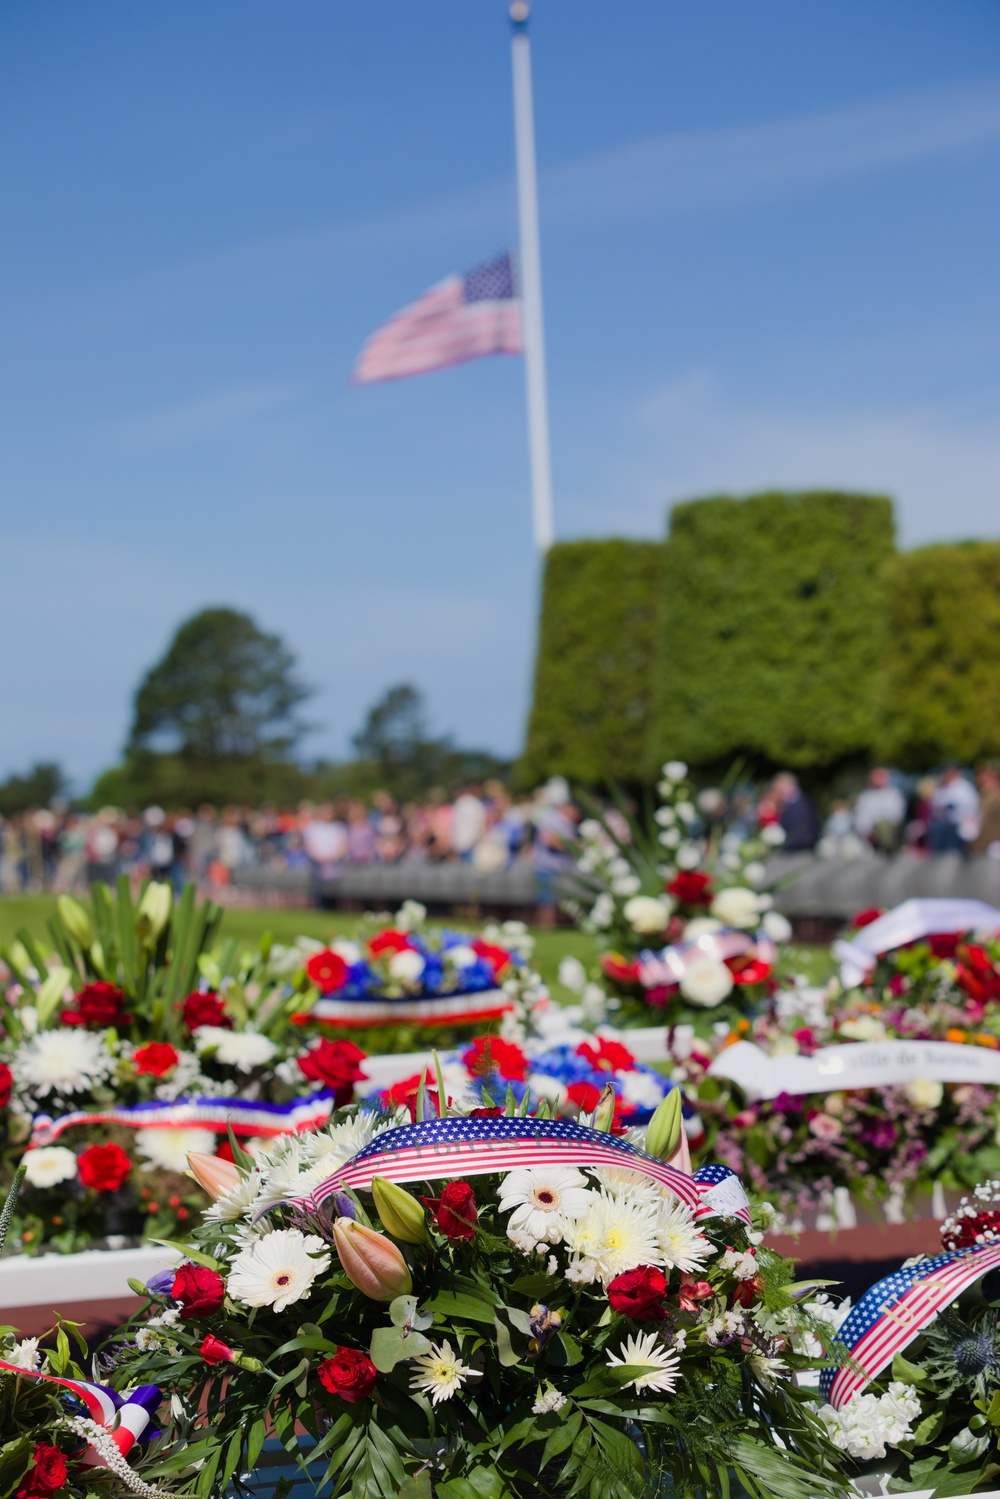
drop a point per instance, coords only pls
(519, 13)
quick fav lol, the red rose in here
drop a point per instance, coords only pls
(454, 1211)
(98, 1004)
(214, 1351)
(199, 1290)
(388, 941)
(48, 1471)
(327, 970)
(103, 1167)
(866, 917)
(497, 957)
(639, 1294)
(606, 1056)
(349, 1374)
(494, 1112)
(692, 887)
(157, 1058)
(5, 1085)
(335, 1065)
(945, 944)
(490, 1054)
(204, 1009)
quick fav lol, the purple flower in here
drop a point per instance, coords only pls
(880, 1135)
(787, 1103)
(161, 1284)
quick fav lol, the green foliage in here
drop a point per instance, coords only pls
(397, 749)
(590, 714)
(943, 697)
(39, 788)
(772, 629)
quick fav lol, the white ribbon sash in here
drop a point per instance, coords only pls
(855, 1064)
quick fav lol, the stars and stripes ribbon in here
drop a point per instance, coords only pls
(670, 965)
(133, 1411)
(895, 1310)
(438, 1009)
(452, 1147)
(245, 1116)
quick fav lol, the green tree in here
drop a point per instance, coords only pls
(942, 699)
(397, 748)
(39, 788)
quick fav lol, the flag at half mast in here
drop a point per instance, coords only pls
(462, 317)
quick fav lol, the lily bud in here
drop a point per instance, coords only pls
(214, 1174)
(75, 919)
(663, 1133)
(604, 1114)
(401, 1215)
(154, 911)
(371, 1262)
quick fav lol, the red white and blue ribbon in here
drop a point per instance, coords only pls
(890, 1315)
(246, 1117)
(669, 966)
(456, 1146)
(133, 1411)
(436, 1009)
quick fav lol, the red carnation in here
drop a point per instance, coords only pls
(327, 970)
(214, 1351)
(349, 1374)
(692, 887)
(747, 1291)
(945, 944)
(866, 917)
(493, 1112)
(335, 1065)
(199, 1290)
(156, 1059)
(48, 1472)
(586, 1096)
(491, 1054)
(454, 1211)
(103, 1167)
(606, 1056)
(497, 957)
(639, 1294)
(747, 969)
(98, 1004)
(204, 1009)
(617, 970)
(388, 941)
(5, 1085)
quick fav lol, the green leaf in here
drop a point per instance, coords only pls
(390, 1345)
(15, 1460)
(255, 1441)
(966, 1447)
(50, 993)
(930, 1427)
(908, 1373)
(186, 1251)
(403, 1311)
(417, 1487)
(463, 1307)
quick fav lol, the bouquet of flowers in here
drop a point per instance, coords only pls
(129, 1038)
(686, 934)
(960, 969)
(544, 1308)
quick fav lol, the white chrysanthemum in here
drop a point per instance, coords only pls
(737, 906)
(232, 1206)
(340, 1142)
(49, 1165)
(406, 966)
(243, 1050)
(706, 982)
(25, 1355)
(440, 1373)
(278, 1269)
(680, 1241)
(617, 1234)
(169, 1148)
(646, 1348)
(644, 1089)
(65, 1060)
(647, 914)
(545, 1200)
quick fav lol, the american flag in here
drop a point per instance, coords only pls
(453, 1147)
(895, 1310)
(462, 317)
(245, 1116)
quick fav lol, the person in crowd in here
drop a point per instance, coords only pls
(987, 841)
(796, 813)
(880, 811)
(554, 821)
(390, 830)
(954, 820)
(360, 835)
(468, 822)
(325, 840)
(840, 838)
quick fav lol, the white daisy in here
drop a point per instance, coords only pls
(278, 1269)
(340, 1142)
(617, 1234)
(243, 1050)
(49, 1165)
(646, 1348)
(231, 1206)
(25, 1355)
(64, 1060)
(441, 1372)
(545, 1200)
(169, 1148)
(679, 1239)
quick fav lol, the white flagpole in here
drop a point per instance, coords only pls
(531, 280)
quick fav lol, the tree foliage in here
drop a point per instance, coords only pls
(943, 689)
(397, 750)
(773, 629)
(39, 788)
(591, 708)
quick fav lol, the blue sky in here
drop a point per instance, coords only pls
(770, 258)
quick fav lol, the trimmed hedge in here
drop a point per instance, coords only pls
(590, 716)
(943, 689)
(772, 631)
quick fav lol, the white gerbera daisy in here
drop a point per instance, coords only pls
(49, 1165)
(64, 1060)
(680, 1241)
(617, 1234)
(545, 1200)
(646, 1348)
(440, 1373)
(168, 1149)
(278, 1269)
(243, 1050)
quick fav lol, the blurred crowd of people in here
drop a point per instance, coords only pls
(484, 826)
(953, 812)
